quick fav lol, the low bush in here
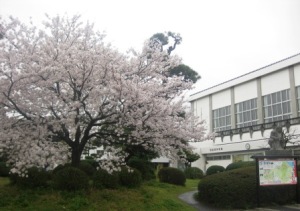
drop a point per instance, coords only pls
(35, 178)
(193, 173)
(71, 179)
(240, 164)
(130, 177)
(236, 189)
(87, 168)
(4, 169)
(91, 161)
(102, 179)
(232, 189)
(145, 167)
(60, 167)
(214, 169)
(172, 176)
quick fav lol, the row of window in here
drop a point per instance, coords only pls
(220, 157)
(276, 106)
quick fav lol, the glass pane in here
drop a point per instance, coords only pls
(254, 115)
(228, 110)
(265, 99)
(222, 112)
(284, 96)
(269, 100)
(228, 121)
(285, 107)
(279, 109)
(278, 97)
(274, 98)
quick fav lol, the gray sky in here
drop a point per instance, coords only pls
(221, 39)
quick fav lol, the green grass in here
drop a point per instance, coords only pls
(151, 195)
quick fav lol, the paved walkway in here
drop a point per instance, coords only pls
(190, 199)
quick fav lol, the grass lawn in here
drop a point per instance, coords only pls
(151, 195)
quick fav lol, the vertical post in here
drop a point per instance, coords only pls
(297, 185)
(257, 182)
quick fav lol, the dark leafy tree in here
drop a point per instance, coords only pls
(191, 157)
(181, 70)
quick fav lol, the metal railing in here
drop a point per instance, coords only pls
(287, 123)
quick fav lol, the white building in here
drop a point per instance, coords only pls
(243, 111)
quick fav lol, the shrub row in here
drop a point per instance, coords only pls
(66, 177)
(145, 167)
(216, 168)
(236, 189)
(172, 176)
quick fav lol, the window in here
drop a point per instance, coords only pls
(298, 98)
(221, 157)
(246, 113)
(222, 119)
(277, 106)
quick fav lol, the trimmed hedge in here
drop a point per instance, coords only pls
(214, 169)
(145, 167)
(36, 178)
(4, 169)
(87, 168)
(130, 178)
(71, 179)
(240, 164)
(172, 176)
(193, 173)
(102, 179)
(236, 189)
(91, 161)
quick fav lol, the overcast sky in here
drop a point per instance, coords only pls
(222, 39)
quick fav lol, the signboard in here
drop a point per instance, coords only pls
(277, 172)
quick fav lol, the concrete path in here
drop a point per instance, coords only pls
(190, 199)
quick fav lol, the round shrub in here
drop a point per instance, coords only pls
(130, 177)
(71, 179)
(92, 162)
(240, 164)
(193, 173)
(229, 189)
(214, 169)
(35, 178)
(60, 167)
(172, 176)
(236, 189)
(145, 167)
(102, 179)
(4, 169)
(87, 168)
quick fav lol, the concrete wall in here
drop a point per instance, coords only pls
(297, 74)
(245, 91)
(275, 82)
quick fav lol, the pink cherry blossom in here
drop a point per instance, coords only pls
(62, 86)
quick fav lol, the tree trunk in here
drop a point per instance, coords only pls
(76, 155)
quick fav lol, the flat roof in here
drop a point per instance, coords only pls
(247, 77)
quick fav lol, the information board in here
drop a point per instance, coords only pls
(277, 172)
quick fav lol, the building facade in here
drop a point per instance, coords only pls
(243, 111)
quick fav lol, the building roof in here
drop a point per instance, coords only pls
(248, 76)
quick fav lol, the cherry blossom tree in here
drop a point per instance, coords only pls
(61, 86)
